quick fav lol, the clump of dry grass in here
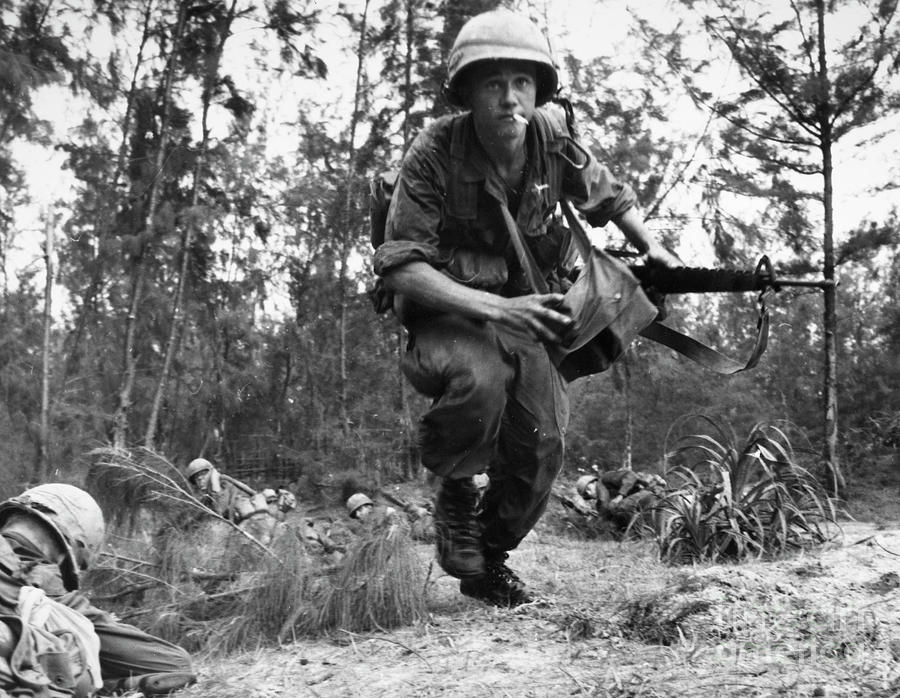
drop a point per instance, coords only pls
(280, 587)
(210, 586)
(379, 584)
(655, 619)
(126, 481)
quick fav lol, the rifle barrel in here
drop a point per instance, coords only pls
(677, 280)
(823, 284)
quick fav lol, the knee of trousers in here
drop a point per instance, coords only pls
(534, 458)
(471, 400)
(462, 427)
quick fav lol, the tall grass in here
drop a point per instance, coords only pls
(731, 499)
(205, 583)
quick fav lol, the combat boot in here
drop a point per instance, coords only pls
(499, 586)
(457, 530)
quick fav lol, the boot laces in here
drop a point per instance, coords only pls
(455, 510)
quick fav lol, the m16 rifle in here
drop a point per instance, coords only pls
(676, 280)
(661, 281)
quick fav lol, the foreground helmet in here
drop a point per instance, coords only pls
(73, 517)
(497, 35)
(356, 501)
(197, 466)
(582, 483)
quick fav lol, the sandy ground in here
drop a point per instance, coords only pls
(612, 621)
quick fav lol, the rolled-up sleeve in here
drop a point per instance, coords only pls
(415, 214)
(598, 194)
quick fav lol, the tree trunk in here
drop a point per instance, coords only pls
(43, 465)
(123, 406)
(346, 233)
(829, 390)
(172, 343)
(628, 451)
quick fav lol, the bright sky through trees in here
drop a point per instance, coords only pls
(586, 28)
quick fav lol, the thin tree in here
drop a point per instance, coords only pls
(129, 373)
(210, 79)
(799, 104)
(346, 236)
(44, 439)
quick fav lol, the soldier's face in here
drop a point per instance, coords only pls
(38, 533)
(501, 95)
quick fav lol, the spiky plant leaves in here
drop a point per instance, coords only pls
(735, 500)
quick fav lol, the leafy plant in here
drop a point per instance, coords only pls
(731, 500)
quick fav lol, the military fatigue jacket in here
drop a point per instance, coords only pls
(445, 206)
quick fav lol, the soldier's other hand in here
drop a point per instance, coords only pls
(539, 315)
(657, 254)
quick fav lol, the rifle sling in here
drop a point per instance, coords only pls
(693, 349)
(705, 355)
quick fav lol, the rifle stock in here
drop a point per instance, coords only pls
(677, 280)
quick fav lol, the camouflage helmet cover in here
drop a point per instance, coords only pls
(500, 35)
(197, 466)
(72, 515)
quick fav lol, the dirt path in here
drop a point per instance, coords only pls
(614, 622)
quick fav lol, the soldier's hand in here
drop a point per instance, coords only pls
(539, 315)
(657, 254)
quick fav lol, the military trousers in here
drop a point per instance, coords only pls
(499, 406)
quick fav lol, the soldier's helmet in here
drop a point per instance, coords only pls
(582, 484)
(500, 35)
(71, 515)
(197, 466)
(286, 501)
(356, 501)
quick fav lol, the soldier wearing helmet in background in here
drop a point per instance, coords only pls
(359, 506)
(477, 330)
(229, 498)
(363, 510)
(49, 536)
(623, 494)
(206, 481)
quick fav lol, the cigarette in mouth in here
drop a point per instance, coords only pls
(521, 119)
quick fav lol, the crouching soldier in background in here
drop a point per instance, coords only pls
(53, 642)
(232, 499)
(621, 496)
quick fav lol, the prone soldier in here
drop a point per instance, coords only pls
(622, 495)
(53, 641)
